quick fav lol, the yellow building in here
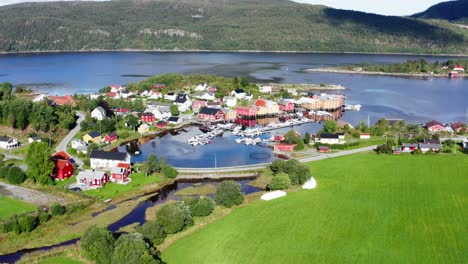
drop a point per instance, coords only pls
(94, 137)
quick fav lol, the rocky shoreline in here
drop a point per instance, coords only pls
(343, 71)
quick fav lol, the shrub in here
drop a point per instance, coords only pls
(27, 223)
(277, 166)
(417, 152)
(384, 149)
(153, 231)
(201, 206)
(16, 175)
(124, 134)
(280, 181)
(169, 172)
(43, 217)
(4, 172)
(97, 244)
(229, 193)
(174, 217)
(132, 248)
(57, 209)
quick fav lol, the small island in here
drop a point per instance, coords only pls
(410, 68)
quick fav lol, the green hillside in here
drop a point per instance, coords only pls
(217, 25)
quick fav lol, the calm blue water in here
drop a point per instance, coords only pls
(416, 100)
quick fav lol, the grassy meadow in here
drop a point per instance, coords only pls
(367, 208)
(10, 206)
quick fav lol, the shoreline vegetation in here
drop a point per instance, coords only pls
(410, 68)
(34, 52)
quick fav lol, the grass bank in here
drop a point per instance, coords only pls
(367, 208)
(10, 206)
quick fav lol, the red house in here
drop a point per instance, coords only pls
(120, 173)
(435, 126)
(63, 167)
(284, 147)
(457, 127)
(161, 124)
(213, 89)
(246, 111)
(147, 118)
(211, 114)
(286, 106)
(111, 137)
(92, 179)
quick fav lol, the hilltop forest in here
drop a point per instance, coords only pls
(218, 25)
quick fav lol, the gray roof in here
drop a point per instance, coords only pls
(430, 146)
(101, 110)
(94, 134)
(5, 139)
(90, 175)
(107, 155)
(408, 145)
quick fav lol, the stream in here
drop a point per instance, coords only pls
(138, 214)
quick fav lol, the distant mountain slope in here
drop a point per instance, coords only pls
(452, 10)
(216, 25)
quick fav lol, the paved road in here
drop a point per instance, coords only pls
(264, 165)
(62, 146)
(29, 195)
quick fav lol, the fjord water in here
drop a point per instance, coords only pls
(414, 99)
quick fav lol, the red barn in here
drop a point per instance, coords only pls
(284, 147)
(435, 126)
(211, 114)
(286, 106)
(147, 118)
(63, 167)
(120, 173)
(111, 137)
(246, 111)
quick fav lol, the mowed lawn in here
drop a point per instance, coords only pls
(10, 206)
(367, 209)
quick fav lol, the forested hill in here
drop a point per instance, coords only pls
(217, 25)
(452, 11)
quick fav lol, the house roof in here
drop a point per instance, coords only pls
(181, 98)
(336, 136)
(284, 102)
(97, 154)
(238, 91)
(173, 119)
(409, 145)
(431, 141)
(101, 110)
(91, 175)
(112, 134)
(457, 125)
(433, 123)
(61, 155)
(147, 114)
(5, 138)
(94, 134)
(63, 100)
(209, 111)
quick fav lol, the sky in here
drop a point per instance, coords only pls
(383, 7)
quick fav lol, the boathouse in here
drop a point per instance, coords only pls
(211, 114)
(246, 111)
(266, 107)
(286, 105)
(284, 147)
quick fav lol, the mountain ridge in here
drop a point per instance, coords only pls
(271, 25)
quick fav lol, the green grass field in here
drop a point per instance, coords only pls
(112, 190)
(60, 260)
(10, 206)
(366, 209)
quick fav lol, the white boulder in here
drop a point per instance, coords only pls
(310, 184)
(273, 195)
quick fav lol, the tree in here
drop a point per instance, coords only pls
(151, 165)
(57, 209)
(11, 120)
(174, 217)
(307, 138)
(97, 244)
(201, 206)
(153, 231)
(169, 172)
(40, 165)
(27, 223)
(174, 110)
(229, 193)
(15, 175)
(280, 181)
(132, 248)
(330, 126)
(132, 121)
(277, 166)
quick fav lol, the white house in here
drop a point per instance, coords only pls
(34, 139)
(91, 179)
(201, 87)
(207, 96)
(8, 142)
(40, 98)
(76, 143)
(265, 89)
(116, 88)
(238, 93)
(230, 101)
(170, 96)
(98, 113)
(292, 91)
(365, 136)
(159, 113)
(183, 102)
(330, 139)
(107, 160)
